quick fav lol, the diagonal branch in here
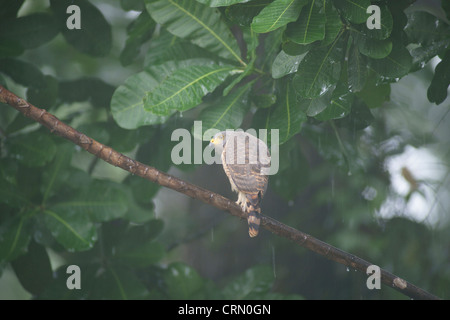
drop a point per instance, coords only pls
(135, 167)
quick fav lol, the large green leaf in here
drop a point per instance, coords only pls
(286, 116)
(167, 47)
(71, 228)
(339, 106)
(277, 14)
(33, 150)
(372, 48)
(397, 64)
(94, 37)
(57, 174)
(357, 70)
(127, 105)
(354, 10)
(198, 23)
(15, 236)
(30, 31)
(101, 201)
(425, 28)
(23, 72)
(437, 91)
(285, 64)
(185, 88)
(226, 113)
(333, 24)
(33, 269)
(310, 26)
(243, 14)
(319, 70)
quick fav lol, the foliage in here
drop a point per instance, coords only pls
(311, 69)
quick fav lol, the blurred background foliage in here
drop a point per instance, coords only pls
(364, 146)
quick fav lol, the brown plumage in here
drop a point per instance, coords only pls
(246, 162)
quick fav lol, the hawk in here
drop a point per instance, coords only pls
(246, 162)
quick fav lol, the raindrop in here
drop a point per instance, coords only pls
(181, 114)
(348, 269)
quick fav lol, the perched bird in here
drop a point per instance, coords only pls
(246, 162)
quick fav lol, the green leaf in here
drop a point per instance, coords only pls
(200, 24)
(250, 284)
(90, 89)
(182, 282)
(319, 70)
(22, 72)
(226, 113)
(333, 24)
(425, 28)
(185, 87)
(340, 105)
(316, 105)
(167, 47)
(101, 201)
(353, 10)
(285, 64)
(357, 70)
(376, 49)
(221, 3)
(95, 37)
(118, 283)
(310, 26)
(243, 14)
(359, 118)
(286, 116)
(56, 175)
(139, 31)
(271, 49)
(127, 106)
(30, 31)
(277, 14)
(33, 270)
(397, 64)
(437, 91)
(15, 235)
(33, 150)
(71, 228)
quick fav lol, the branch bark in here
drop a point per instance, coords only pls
(135, 167)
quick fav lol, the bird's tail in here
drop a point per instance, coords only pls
(254, 215)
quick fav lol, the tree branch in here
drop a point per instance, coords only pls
(119, 160)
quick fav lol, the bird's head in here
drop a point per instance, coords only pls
(218, 141)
